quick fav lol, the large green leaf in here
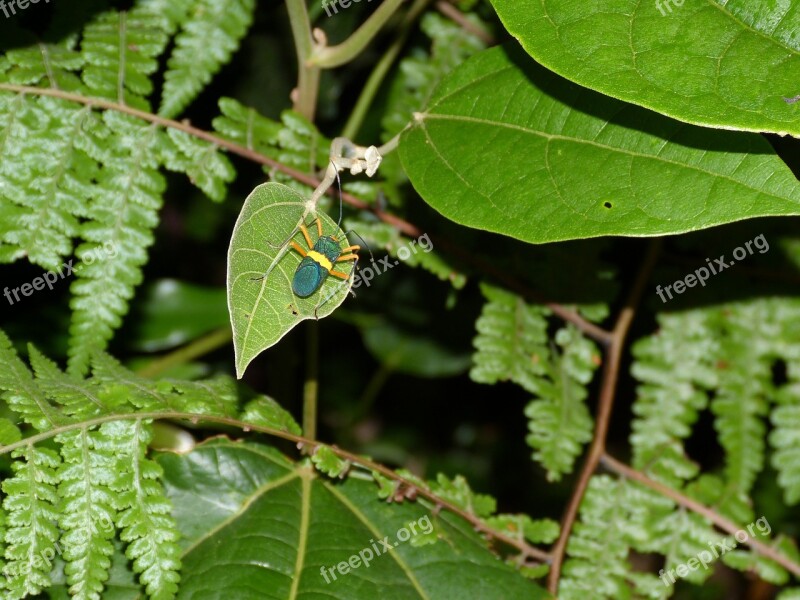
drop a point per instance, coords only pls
(269, 526)
(508, 146)
(263, 310)
(721, 63)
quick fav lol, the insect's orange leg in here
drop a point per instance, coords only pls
(304, 231)
(299, 248)
(347, 257)
(351, 249)
(339, 274)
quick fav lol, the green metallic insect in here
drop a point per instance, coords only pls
(318, 261)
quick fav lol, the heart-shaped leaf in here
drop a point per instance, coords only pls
(508, 146)
(728, 64)
(275, 529)
(261, 265)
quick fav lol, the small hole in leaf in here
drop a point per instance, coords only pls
(607, 204)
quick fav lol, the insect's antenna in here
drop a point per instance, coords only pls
(272, 265)
(366, 245)
(284, 248)
(286, 241)
(339, 180)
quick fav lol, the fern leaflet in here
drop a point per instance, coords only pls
(207, 40)
(512, 344)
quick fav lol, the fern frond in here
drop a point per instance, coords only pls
(207, 40)
(63, 145)
(299, 145)
(45, 180)
(512, 344)
(121, 219)
(728, 351)
(266, 412)
(785, 440)
(560, 423)
(87, 510)
(121, 51)
(536, 531)
(246, 126)
(48, 65)
(31, 505)
(76, 399)
(598, 549)
(767, 569)
(202, 162)
(294, 141)
(326, 461)
(69, 172)
(709, 350)
(106, 483)
(21, 393)
(458, 491)
(144, 519)
(619, 516)
(676, 533)
(118, 382)
(216, 396)
(741, 402)
(174, 11)
(676, 367)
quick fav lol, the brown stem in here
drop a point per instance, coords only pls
(398, 223)
(593, 331)
(608, 387)
(724, 524)
(525, 549)
(455, 15)
(401, 225)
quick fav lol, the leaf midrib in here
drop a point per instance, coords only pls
(377, 533)
(305, 510)
(271, 485)
(563, 138)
